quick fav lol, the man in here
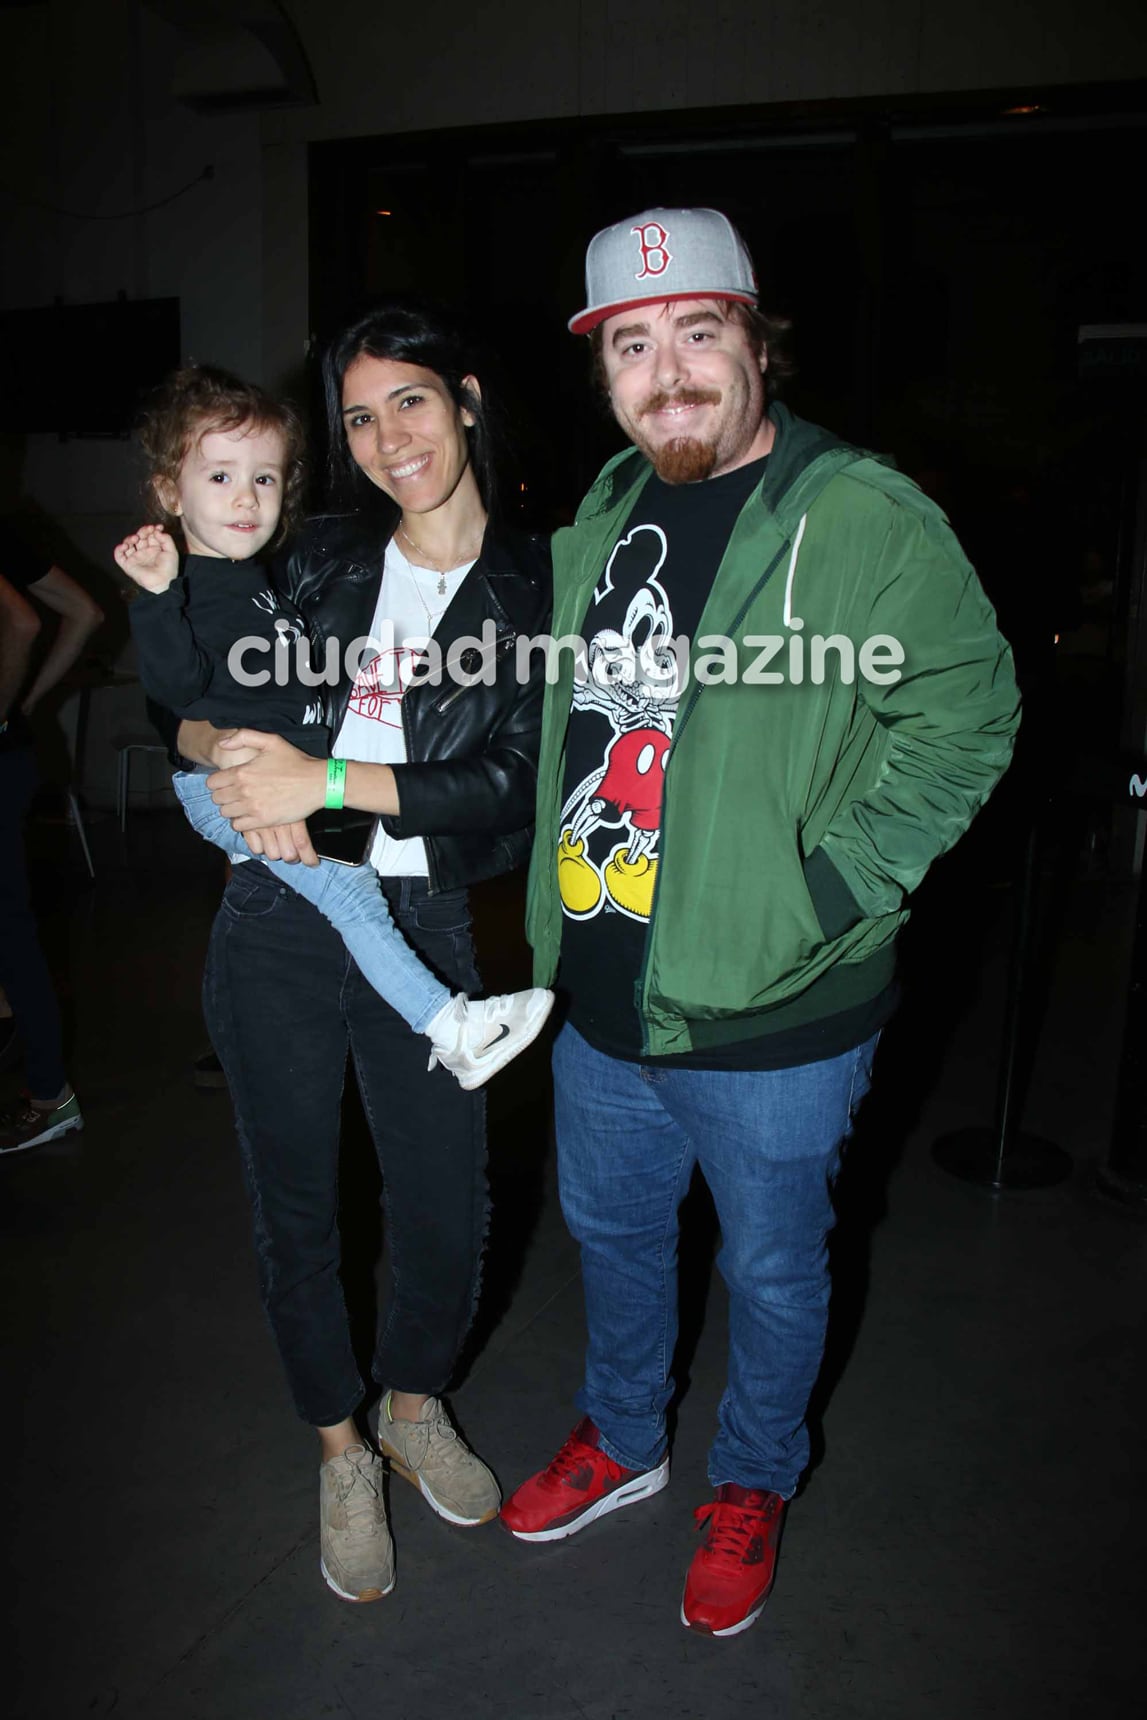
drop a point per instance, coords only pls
(792, 698)
(51, 1107)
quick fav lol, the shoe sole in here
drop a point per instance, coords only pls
(435, 1504)
(642, 1487)
(51, 1134)
(507, 1051)
(730, 1629)
(343, 1595)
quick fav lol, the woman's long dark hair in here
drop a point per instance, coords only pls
(411, 333)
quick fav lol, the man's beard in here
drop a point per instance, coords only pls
(685, 459)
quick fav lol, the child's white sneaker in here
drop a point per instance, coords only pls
(474, 1038)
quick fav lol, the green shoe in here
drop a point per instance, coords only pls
(30, 1125)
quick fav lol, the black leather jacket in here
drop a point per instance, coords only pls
(469, 784)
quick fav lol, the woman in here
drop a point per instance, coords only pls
(28, 1008)
(449, 769)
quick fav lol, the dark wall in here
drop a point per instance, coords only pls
(938, 266)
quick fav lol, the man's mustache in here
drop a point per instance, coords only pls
(680, 397)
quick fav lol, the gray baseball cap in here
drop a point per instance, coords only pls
(660, 255)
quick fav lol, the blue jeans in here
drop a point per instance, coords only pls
(768, 1143)
(349, 897)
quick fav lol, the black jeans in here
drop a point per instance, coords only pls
(23, 970)
(284, 1002)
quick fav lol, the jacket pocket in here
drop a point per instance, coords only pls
(835, 906)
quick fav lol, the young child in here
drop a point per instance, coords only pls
(226, 464)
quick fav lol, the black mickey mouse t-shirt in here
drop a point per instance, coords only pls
(644, 611)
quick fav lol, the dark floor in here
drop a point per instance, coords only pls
(969, 1542)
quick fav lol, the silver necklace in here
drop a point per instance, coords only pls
(429, 561)
(432, 620)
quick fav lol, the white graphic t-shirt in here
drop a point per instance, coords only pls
(409, 608)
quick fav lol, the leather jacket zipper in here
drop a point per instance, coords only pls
(502, 648)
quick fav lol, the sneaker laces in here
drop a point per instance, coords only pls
(417, 1437)
(732, 1527)
(441, 1433)
(574, 1455)
(443, 1427)
(357, 1494)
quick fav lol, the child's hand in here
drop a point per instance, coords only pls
(149, 557)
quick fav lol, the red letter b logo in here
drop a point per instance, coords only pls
(655, 254)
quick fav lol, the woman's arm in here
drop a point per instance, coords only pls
(275, 783)
(19, 627)
(202, 743)
(494, 790)
(488, 782)
(79, 614)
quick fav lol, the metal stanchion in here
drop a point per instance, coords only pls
(1002, 1157)
(1124, 1174)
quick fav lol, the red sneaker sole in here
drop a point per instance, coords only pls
(641, 1487)
(729, 1629)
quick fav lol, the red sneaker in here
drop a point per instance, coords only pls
(733, 1570)
(580, 1484)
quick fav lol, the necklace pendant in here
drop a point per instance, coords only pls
(442, 585)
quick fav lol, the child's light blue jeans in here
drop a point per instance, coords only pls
(350, 899)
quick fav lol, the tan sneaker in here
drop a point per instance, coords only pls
(432, 1455)
(357, 1558)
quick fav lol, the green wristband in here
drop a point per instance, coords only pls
(336, 784)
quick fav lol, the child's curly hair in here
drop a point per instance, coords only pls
(198, 399)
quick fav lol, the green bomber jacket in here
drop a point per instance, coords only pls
(802, 802)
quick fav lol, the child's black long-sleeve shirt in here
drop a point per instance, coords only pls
(184, 636)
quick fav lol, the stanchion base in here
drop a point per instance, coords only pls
(1030, 1161)
(1129, 1192)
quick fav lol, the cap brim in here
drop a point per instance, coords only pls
(586, 321)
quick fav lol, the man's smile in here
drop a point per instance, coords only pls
(674, 408)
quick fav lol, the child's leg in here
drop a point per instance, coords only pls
(203, 815)
(471, 1040)
(350, 899)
